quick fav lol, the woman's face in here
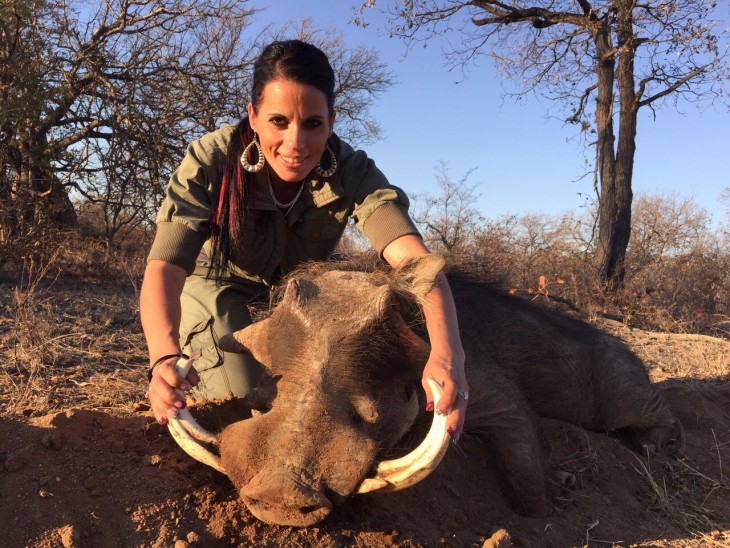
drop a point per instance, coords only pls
(293, 124)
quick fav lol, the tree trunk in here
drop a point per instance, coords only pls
(606, 249)
(615, 170)
(41, 197)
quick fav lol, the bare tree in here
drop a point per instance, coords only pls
(602, 60)
(100, 98)
(119, 192)
(449, 220)
(664, 228)
(668, 224)
(677, 267)
(78, 76)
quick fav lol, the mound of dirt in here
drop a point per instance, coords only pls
(93, 478)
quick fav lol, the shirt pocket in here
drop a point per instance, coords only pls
(256, 245)
(315, 239)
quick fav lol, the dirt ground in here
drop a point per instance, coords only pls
(82, 463)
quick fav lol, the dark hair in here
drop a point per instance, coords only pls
(290, 60)
(297, 61)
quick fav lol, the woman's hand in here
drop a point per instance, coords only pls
(167, 387)
(449, 373)
(159, 306)
(445, 364)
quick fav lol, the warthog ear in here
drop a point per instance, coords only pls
(252, 340)
(419, 273)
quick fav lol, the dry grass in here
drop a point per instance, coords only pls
(67, 345)
(69, 326)
(676, 355)
(679, 491)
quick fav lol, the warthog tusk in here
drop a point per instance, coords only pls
(192, 447)
(190, 425)
(397, 474)
(186, 431)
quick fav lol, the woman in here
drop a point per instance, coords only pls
(250, 202)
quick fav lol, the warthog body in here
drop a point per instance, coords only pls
(344, 386)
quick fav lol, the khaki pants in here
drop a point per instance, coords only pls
(210, 311)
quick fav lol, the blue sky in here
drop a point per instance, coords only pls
(525, 161)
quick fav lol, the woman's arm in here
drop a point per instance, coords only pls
(446, 362)
(159, 307)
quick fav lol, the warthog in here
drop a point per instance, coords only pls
(344, 366)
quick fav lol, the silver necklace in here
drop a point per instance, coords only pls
(289, 205)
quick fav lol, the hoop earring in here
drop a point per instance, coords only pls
(333, 164)
(244, 156)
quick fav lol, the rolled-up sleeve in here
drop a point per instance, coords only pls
(380, 209)
(183, 221)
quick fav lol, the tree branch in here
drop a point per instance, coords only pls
(674, 87)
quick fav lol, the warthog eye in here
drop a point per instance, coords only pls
(409, 390)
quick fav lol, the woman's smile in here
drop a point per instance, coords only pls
(292, 163)
(293, 124)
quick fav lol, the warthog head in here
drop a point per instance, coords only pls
(344, 372)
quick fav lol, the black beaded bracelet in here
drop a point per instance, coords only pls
(163, 359)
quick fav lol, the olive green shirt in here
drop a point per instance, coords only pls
(270, 239)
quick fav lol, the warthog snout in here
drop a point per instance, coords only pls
(285, 500)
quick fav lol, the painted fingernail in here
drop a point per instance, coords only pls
(186, 386)
(180, 404)
(162, 420)
(454, 436)
(429, 406)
